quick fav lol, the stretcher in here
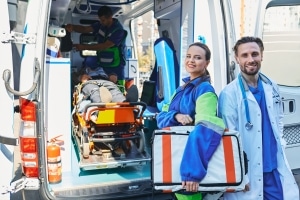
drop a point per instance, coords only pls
(110, 135)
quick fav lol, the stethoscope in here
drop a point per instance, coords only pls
(276, 96)
(248, 124)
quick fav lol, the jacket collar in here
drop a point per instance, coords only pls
(261, 77)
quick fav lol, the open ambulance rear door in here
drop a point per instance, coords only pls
(7, 140)
(278, 24)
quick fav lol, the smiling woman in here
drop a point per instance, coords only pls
(199, 95)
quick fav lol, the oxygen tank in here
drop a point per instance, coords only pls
(54, 162)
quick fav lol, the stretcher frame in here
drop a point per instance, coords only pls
(114, 138)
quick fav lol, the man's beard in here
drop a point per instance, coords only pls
(251, 72)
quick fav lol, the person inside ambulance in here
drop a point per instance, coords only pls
(95, 72)
(111, 43)
(95, 91)
(100, 91)
(92, 69)
(89, 67)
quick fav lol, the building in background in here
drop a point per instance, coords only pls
(245, 17)
(147, 33)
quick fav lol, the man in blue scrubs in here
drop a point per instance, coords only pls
(111, 43)
(251, 104)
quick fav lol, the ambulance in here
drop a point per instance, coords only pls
(36, 91)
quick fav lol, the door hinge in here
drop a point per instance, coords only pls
(23, 183)
(19, 38)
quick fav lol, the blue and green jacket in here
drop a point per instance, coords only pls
(198, 99)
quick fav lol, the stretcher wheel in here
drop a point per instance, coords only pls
(85, 143)
(139, 143)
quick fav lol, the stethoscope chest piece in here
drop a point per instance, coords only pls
(248, 125)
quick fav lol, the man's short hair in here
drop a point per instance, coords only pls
(105, 11)
(248, 39)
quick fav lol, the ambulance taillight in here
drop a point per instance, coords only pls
(28, 138)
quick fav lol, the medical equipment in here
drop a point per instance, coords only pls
(56, 31)
(275, 96)
(248, 124)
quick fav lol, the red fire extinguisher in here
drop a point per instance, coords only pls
(54, 161)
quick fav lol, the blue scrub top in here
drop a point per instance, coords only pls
(269, 142)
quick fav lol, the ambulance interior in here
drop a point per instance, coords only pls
(120, 136)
